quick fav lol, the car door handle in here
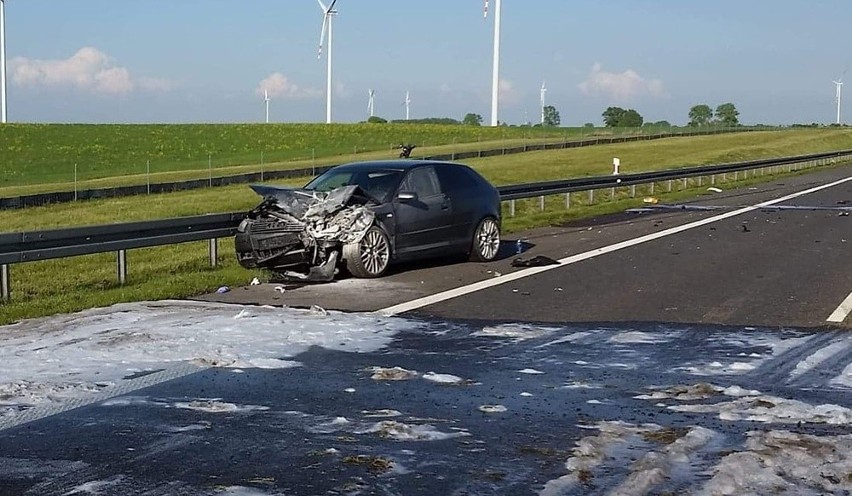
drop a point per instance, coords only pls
(445, 205)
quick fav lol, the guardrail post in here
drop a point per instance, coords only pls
(541, 203)
(632, 191)
(512, 208)
(213, 250)
(591, 196)
(670, 185)
(121, 264)
(567, 201)
(652, 187)
(713, 179)
(5, 290)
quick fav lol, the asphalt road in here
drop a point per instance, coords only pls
(785, 265)
(523, 404)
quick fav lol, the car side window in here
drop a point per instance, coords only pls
(422, 181)
(455, 178)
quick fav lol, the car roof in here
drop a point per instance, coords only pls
(400, 165)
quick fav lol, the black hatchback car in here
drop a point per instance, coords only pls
(363, 216)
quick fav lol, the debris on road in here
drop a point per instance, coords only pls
(223, 289)
(255, 282)
(392, 374)
(714, 189)
(536, 261)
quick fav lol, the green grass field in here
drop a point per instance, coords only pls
(47, 153)
(40, 158)
(66, 285)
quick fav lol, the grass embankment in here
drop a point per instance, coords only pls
(47, 158)
(57, 286)
(47, 154)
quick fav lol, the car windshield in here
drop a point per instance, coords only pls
(378, 183)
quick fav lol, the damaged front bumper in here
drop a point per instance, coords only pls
(299, 234)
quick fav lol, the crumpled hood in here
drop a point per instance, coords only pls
(300, 202)
(327, 216)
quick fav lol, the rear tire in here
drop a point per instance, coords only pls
(486, 241)
(369, 257)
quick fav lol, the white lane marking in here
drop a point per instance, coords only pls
(841, 312)
(489, 283)
(40, 412)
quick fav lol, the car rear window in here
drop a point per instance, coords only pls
(456, 178)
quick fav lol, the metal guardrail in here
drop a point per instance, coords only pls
(39, 199)
(32, 246)
(531, 190)
(59, 243)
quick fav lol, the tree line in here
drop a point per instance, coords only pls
(726, 114)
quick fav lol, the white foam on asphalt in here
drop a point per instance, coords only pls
(818, 357)
(776, 346)
(65, 360)
(844, 379)
(636, 337)
(772, 462)
(442, 378)
(217, 406)
(783, 462)
(391, 373)
(518, 332)
(772, 409)
(398, 431)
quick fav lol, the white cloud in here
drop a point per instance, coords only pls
(508, 92)
(154, 84)
(279, 86)
(620, 86)
(342, 90)
(89, 69)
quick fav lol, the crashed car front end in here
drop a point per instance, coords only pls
(298, 234)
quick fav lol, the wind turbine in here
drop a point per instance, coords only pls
(543, 91)
(495, 76)
(327, 13)
(266, 101)
(3, 61)
(407, 104)
(371, 103)
(839, 85)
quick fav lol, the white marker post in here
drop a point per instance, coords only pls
(616, 162)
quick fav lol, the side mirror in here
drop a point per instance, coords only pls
(407, 196)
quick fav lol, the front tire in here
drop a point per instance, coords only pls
(369, 257)
(486, 240)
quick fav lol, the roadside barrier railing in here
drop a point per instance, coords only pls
(39, 199)
(31, 246)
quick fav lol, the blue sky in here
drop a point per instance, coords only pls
(205, 60)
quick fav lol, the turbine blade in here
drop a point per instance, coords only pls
(485, 10)
(322, 6)
(330, 7)
(322, 35)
